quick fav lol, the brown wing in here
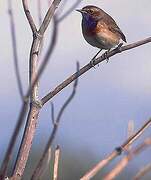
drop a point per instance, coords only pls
(113, 26)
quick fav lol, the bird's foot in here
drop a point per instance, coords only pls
(92, 63)
(105, 55)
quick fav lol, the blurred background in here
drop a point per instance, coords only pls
(107, 98)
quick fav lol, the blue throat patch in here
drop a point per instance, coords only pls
(89, 22)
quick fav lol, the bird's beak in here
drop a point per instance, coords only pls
(80, 10)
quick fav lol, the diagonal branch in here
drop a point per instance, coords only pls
(91, 173)
(124, 162)
(87, 67)
(48, 16)
(28, 16)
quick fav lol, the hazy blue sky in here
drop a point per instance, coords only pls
(107, 97)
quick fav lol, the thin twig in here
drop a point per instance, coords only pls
(142, 172)
(124, 162)
(28, 16)
(87, 67)
(54, 131)
(14, 47)
(128, 148)
(56, 163)
(47, 56)
(69, 10)
(91, 173)
(48, 16)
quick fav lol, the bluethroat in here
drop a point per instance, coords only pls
(99, 29)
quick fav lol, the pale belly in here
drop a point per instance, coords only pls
(102, 40)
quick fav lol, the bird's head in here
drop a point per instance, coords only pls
(91, 12)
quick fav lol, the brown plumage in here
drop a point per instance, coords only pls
(99, 29)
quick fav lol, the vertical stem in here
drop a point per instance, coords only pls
(33, 113)
(35, 104)
(33, 67)
(27, 139)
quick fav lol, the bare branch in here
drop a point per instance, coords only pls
(124, 162)
(47, 56)
(69, 10)
(35, 104)
(48, 16)
(28, 136)
(132, 138)
(54, 131)
(26, 143)
(142, 172)
(29, 17)
(99, 166)
(91, 173)
(56, 163)
(87, 67)
(14, 46)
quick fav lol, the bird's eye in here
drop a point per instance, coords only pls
(91, 11)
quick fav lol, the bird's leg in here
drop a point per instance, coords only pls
(106, 55)
(93, 59)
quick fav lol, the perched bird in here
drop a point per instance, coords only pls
(99, 29)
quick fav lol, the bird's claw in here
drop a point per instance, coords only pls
(105, 55)
(119, 47)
